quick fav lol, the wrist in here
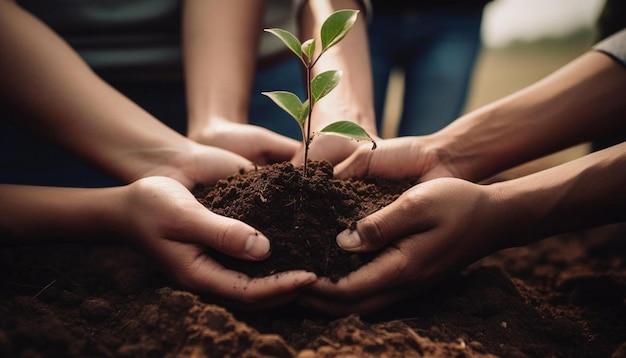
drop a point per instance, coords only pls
(514, 211)
(169, 159)
(472, 147)
(443, 151)
(200, 129)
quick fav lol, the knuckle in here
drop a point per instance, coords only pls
(412, 202)
(223, 237)
(373, 231)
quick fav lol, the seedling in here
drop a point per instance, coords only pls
(333, 30)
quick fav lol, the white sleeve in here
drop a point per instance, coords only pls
(614, 46)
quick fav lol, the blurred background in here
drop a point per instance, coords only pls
(523, 41)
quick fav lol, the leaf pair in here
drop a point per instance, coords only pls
(333, 30)
(321, 85)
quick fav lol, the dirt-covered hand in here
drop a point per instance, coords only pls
(258, 144)
(432, 230)
(395, 158)
(167, 221)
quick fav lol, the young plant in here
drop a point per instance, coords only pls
(333, 30)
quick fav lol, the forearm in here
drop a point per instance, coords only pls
(580, 194)
(352, 99)
(63, 100)
(220, 52)
(581, 101)
(31, 213)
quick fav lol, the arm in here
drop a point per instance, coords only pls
(582, 100)
(66, 102)
(353, 98)
(425, 231)
(69, 104)
(158, 215)
(428, 236)
(577, 103)
(581, 194)
(220, 41)
(220, 51)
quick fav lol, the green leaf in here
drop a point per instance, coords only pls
(290, 103)
(289, 39)
(336, 27)
(308, 48)
(348, 130)
(323, 83)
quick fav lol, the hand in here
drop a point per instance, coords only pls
(396, 158)
(175, 229)
(432, 230)
(258, 144)
(197, 164)
(329, 147)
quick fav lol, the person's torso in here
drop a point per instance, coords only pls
(127, 39)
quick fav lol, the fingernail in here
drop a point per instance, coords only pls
(349, 239)
(257, 245)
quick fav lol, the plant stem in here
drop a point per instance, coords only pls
(307, 132)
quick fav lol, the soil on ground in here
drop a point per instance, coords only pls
(564, 296)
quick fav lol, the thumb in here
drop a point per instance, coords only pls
(395, 221)
(227, 235)
(355, 166)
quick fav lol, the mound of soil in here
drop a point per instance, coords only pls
(561, 297)
(301, 215)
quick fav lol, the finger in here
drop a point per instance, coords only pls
(193, 269)
(384, 273)
(199, 225)
(355, 166)
(403, 217)
(331, 148)
(298, 158)
(215, 163)
(238, 289)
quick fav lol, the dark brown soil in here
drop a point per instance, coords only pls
(301, 215)
(562, 297)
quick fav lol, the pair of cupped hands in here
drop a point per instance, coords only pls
(423, 233)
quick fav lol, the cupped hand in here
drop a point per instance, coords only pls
(430, 231)
(168, 222)
(257, 144)
(329, 147)
(198, 164)
(396, 158)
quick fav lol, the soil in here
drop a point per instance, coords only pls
(300, 214)
(561, 297)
